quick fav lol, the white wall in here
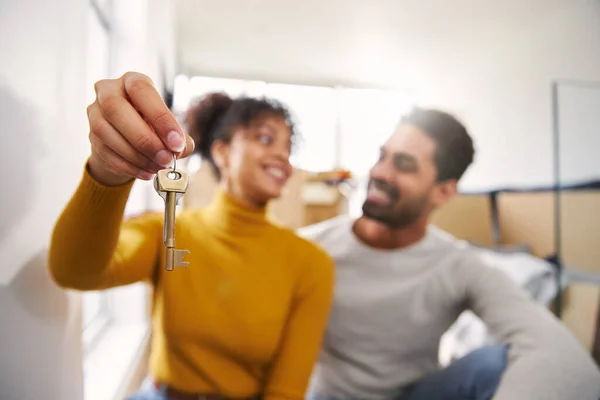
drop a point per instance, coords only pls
(490, 62)
(44, 147)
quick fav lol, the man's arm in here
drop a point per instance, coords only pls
(545, 360)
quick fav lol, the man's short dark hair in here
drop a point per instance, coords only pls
(455, 149)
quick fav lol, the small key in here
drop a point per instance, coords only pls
(171, 184)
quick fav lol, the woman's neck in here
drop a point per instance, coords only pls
(236, 193)
(236, 217)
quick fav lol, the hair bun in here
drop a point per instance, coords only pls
(202, 120)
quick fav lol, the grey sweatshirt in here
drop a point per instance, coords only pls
(392, 307)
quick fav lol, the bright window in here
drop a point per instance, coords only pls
(200, 85)
(115, 326)
(313, 109)
(367, 117)
(339, 127)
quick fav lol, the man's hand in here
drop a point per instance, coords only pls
(132, 132)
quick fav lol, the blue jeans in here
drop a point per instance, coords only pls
(474, 377)
(148, 392)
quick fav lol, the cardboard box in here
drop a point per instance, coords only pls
(304, 201)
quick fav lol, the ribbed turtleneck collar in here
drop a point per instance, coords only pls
(228, 213)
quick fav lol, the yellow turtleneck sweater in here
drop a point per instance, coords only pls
(245, 317)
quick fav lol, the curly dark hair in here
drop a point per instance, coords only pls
(216, 115)
(455, 150)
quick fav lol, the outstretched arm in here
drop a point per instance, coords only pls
(546, 361)
(133, 134)
(92, 248)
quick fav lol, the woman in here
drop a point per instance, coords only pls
(245, 318)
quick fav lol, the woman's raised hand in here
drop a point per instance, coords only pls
(133, 133)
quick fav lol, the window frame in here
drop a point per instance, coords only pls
(93, 330)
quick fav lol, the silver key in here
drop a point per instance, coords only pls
(171, 184)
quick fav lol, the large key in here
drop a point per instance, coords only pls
(171, 184)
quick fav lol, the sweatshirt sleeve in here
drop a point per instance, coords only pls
(545, 360)
(92, 247)
(303, 334)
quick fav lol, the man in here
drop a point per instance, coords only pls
(401, 283)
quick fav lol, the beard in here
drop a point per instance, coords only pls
(398, 212)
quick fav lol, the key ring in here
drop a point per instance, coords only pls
(173, 174)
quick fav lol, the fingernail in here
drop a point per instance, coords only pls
(164, 158)
(175, 141)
